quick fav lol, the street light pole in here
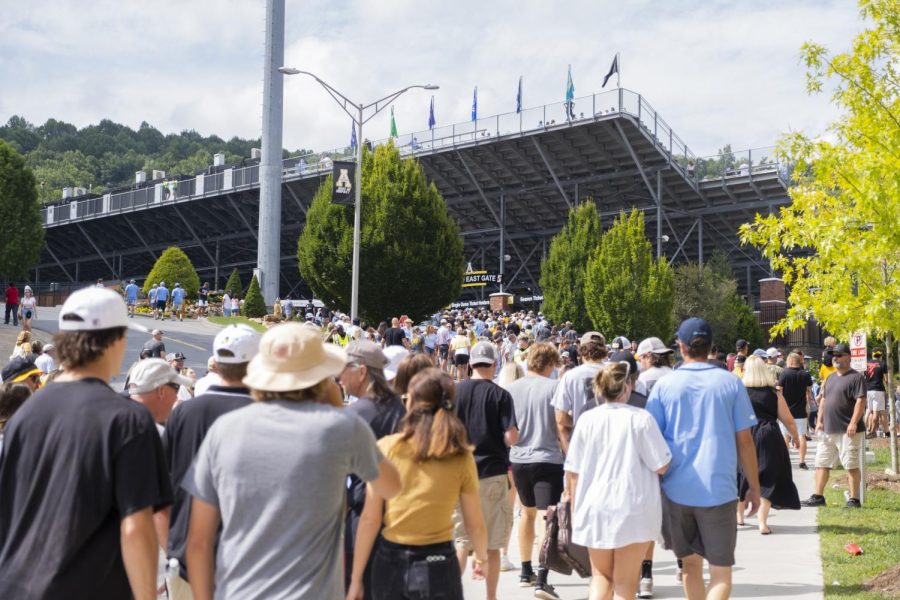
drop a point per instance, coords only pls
(358, 119)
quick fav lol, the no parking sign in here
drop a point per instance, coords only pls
(858, 351)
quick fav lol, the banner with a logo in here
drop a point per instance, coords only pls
(344, 175)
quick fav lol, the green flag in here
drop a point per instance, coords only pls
(393, 123)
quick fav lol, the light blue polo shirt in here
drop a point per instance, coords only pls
(699, 408)
(178, 295)
(131, 292)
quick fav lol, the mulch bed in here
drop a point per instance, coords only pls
(886, 583)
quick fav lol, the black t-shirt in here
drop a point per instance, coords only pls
(841, 393)
(383, 417)
(875, 371)
(394, 336)
(203, 293)
(77, 458)
(486, 409)
(513, 327)
(794, 383)
(156, 347)
(185, 431)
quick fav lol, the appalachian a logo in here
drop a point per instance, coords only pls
(343, 185)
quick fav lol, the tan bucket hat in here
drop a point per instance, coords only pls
(293, 357)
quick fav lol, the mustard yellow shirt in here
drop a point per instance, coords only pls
(422, 513)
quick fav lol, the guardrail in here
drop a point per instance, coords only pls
(542, 118)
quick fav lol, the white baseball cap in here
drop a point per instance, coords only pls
(772, 352)
(241, 341)
(653, 345)
(93, 309)
(151, 373)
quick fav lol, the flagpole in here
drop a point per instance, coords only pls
(618, 69)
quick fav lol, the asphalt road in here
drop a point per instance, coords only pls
(192, 338)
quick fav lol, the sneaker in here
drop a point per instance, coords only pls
(853, 503)
(545, 591)
(813, 501)
(804, 467)
(527, 580)
(506, 564)
(679, 572)
(645, 588)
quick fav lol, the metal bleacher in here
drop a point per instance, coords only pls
(508, 180)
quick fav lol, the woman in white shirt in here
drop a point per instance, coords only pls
(612, 470)
(28, 309)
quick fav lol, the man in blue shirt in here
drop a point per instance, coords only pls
(131, 295)
(178, 295)
(162, 297)
(705, 416)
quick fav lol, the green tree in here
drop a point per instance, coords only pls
(234, 287)
(837, 245)
(173, 266)
(627, 291)
(705, 291)
(411, 256)
(563, 270)
(20, 215)
(254, 304)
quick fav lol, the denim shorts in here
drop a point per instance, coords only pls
(402, 572)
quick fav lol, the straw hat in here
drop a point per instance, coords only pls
(293, 357)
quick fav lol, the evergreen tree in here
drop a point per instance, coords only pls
(254, 304)
(173, 266)
(627, 291)
(21, 230)
(234, 287)
(563, 270)
(411, 258)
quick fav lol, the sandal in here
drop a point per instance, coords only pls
(766, 531)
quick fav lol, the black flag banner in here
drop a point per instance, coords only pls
(344, 175)
(614, 68)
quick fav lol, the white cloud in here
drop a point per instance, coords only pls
(717, 72)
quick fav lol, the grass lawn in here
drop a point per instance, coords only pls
(875, 528)
(236, 320)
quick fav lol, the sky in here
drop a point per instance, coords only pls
(719, 72)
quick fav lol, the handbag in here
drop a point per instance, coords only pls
(549, 555)
(576, 556)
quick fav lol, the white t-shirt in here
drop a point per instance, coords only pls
(616, 450)
(28, 304)
(45, 363)
(575, 392)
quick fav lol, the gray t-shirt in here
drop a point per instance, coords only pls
(277, 472)
(652, 375)
(538, 442)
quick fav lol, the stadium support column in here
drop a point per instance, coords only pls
(270, 166)
(659, 214)
(700, 241)
(502, 238)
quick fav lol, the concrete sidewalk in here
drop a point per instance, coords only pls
(783, 565)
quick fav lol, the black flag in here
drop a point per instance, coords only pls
(614, 68)
(344, 176)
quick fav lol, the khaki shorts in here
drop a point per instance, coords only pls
(875, 401)
(498, 515)
(834, 447)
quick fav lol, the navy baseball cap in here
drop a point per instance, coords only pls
(694, 328)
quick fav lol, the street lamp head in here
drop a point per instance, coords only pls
(431, 86)
(288, 70)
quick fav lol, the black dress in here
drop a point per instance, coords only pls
(775, 481)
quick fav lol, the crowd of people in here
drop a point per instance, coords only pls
(338, 460)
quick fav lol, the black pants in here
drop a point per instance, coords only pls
(14, 309)
(403, 572)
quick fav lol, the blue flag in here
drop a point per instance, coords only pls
(353, 142)
(431, 121)
(475, 104)
(570, 87)
(519, 96)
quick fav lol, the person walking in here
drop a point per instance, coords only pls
(777, 487)
(459, 350)
(705, 416)
(178, 297)
(655, 361)
(226, 305)
(487, 411)
(131, 297)
(81, 522)
(840, 422)
(536, 457)
(876, 380)
(12, 304)
(575, 393)
(233, 349)
(27, 308)
(162, 298)
(296, 500)
(795, 384)
(437, 471)
(615, 457)
(203, 301)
